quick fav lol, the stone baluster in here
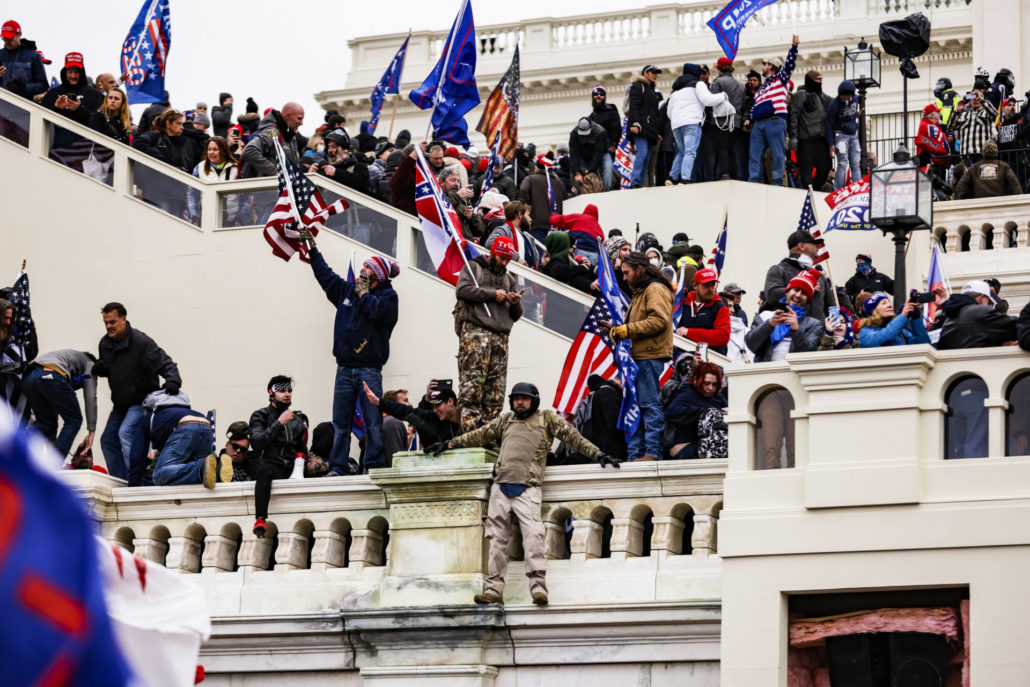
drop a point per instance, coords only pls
(554, 540)
(667, 537)
(1000, 239)
(703, 536)
(1022, 236)
(977, 239)
(152, 550)
(952, 240)
(627, 538)
(292, 552)
(329, 551)
(219, 554)
(366, 549)
(254, 552)
(183, 554)
(586, 539)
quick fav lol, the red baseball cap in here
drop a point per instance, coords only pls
(11, 28)
(930, 109)
(705, 276)
(723, 62)
(74, 59)
(504, 247)
(44, 58)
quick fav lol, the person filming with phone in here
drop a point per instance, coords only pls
(787, 328)
(882, 327)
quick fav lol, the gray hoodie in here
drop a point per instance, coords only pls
(78, 366)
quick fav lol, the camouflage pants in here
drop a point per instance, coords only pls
(482, 375)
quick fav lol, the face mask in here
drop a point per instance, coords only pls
(805, 261)
(656, 262)
(864, 268)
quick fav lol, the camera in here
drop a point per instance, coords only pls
(917, 297)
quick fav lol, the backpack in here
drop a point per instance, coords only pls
(581, 422)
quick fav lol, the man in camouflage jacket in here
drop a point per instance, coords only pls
(526, 435)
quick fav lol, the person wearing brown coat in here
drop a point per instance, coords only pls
(989, 177)
(649, 328)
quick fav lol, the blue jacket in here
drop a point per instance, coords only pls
(842, 116)
(361, 335)
(898, 332)
(24, 64)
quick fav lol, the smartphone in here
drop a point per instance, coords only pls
(702, 352)
(834, 315)
(916, 297)
(442, 384)
(782, 307)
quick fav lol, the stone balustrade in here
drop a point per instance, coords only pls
(371, 537)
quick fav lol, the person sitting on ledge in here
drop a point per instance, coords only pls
(235, 455)
(526, 434)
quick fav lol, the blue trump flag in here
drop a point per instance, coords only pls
(145, 53)
(390, 83)
(728, 23)
(56, 629)
(629, 413)
(357, 425)
(450, 89)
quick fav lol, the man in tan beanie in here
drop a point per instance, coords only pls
(989, 177)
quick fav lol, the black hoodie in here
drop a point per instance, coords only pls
(90, 98)
(967, 324)
(607, 115)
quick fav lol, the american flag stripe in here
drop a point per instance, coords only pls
(807, 222)
(500, 120)
(589, 354)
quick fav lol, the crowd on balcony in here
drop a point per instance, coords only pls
(753, 130)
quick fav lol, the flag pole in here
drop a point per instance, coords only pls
(397, 95)
(281, 156)
(446, 59)
(829, 274)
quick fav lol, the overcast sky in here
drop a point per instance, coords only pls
(272, 51)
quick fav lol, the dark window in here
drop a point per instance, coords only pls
(965, 426)
(774, 430)
(1017, 420)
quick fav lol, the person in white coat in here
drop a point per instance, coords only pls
(686, 111)
(218, 165)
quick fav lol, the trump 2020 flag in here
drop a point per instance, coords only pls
(441, 228)
(728, 23)
(850, 206)
(450, 89)
(390, 83)
(629, 413)
(624, 157)
(145, 53)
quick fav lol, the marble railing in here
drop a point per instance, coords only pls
(420, 519)
(983, 224)
(903, 7)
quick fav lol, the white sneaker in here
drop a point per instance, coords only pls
(298, 469)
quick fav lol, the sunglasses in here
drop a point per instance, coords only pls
(238, 447)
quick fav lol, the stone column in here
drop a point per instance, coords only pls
(668, 536)
(329, 551)
(150, 549)
(952, 241)
(627, 538)
(254, 552)
(366, 549)
(219, 554)
(437, 552)
(703, 536)
(183, 555)
(586, 539)
(292, 552)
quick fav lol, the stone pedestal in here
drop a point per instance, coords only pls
(437, 552)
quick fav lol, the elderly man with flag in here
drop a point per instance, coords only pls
(366, 313)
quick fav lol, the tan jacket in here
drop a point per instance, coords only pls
(649, 322)
(469, 309)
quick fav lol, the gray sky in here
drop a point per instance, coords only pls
(272, 51)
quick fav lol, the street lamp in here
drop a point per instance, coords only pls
(862, 68)
(900, 202)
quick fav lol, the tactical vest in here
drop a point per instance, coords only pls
(523, 451)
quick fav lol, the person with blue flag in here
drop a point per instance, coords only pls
(450, 89)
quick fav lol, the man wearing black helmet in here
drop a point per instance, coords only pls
(946, 96)
(526, 434)
(340, 164)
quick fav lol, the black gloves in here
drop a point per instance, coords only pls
(604, 460)
(437, 448)
(172, 388)
(99, 369)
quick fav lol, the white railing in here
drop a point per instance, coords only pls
(903, 7)
(999, 224)
(602, 30)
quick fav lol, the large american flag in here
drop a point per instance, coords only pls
(282, 231)
(500, 120)
(718, 258)
(22, 348)
(591, 353)
(807, 222)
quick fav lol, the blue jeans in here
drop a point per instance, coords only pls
(116, 441)
(641, 162)
(647, 440)
(181, 461)
(347, 391)
(849, 154)
(607, 171)
(688, 137)
(768, 133)
(51, 396)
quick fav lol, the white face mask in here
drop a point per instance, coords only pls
(656, 262)
(805, 261)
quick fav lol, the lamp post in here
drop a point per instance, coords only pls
(862, 68)
(900, 202)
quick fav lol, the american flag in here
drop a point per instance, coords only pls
(145, 53)
(296, 191)
(624, 157)
(718, 258)
(488, 177)
(22, 348)
(591, 353)
(500, 120)
(807, 222)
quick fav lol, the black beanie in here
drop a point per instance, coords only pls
(252, 106)
(222, 97)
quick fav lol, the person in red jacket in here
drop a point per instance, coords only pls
(705, 318)
(584, 230)
(932, 141)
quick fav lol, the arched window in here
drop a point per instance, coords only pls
(965, 427)
(1017, 420)
(774, 430)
